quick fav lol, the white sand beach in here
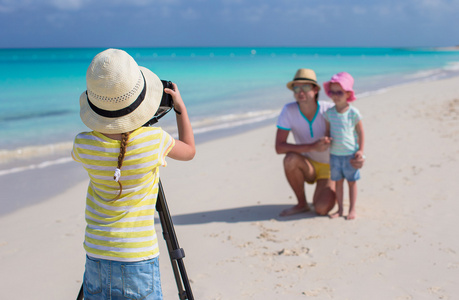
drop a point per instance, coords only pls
(225, 205)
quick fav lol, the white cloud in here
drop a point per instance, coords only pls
(190, 14)
(57, 20)
(359, 10)
(5, 9)
(255, 14)
(72, 5)
(307, 13)
(68, 4)
(232, 2)
(14, 5)
(437, 7)
(431, 3)
(148, 2)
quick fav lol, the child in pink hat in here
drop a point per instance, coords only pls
(344, 126)
(346, 81)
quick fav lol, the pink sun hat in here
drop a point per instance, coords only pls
(345, 80)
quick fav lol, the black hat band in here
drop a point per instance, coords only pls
(121, 112)
(309, 79)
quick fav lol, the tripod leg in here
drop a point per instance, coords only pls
(166, 236)
(81, 294)
(176, 253)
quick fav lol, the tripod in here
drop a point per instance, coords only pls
(176, 254)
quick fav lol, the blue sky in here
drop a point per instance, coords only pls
(195, 23)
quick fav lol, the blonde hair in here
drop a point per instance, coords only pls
(123, 146)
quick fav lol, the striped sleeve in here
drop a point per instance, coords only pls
(326, 116)
(357, 117)
(74, 152)
(167, 143)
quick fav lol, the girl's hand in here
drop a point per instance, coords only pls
(176, 97)
(359, 155)
(322, 144)
(358, 160)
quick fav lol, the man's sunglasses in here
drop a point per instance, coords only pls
(305, 88)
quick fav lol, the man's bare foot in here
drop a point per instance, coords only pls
(297, 209)
(351, 216)
(336, 215)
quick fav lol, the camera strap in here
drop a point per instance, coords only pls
(155, 119)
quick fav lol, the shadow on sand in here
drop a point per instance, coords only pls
(240, 214)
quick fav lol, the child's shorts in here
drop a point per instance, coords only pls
(108, 279)
(340, 168)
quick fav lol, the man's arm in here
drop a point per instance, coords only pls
(327, 128)
(282, 146)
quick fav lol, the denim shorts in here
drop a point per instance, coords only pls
(106, 279)
(340, 168)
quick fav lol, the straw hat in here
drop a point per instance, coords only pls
(304, 76)
(120, 96)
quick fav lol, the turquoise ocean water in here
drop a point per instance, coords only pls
(223, 87)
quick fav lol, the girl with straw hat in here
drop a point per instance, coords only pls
(122, 159)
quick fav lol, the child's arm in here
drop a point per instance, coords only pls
(184, 148)
(361, 139)
(327, 128)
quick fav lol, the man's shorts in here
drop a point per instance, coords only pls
(340, 167)
(322, 170)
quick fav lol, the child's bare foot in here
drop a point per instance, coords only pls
(297, 209)
(336, 215)
(351, 216)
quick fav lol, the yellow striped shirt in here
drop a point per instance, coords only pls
(122, 230)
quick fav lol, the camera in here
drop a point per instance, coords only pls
(166, 101)
(165, 105)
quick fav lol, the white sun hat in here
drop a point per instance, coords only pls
(121, 96)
